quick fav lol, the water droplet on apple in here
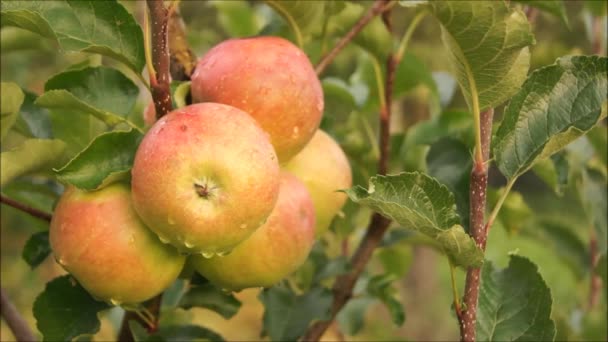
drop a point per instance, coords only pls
(61, 261)
(132, 239)
(243, 226)
(296, 132)
(224, 253)
(163, 239)
(207, 255)
(115, 301)
(188, 244)
(226, 291)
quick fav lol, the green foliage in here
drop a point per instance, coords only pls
(65, 310)
(449, 161)
(555, 7)
(36, 249)
(380, 287)
(488, 48)
(210, 297)
(418, 202)
(12, 98)
(287, 315)
(514, 303)
(175, 333)
(595, 202)
(108, 158)
(103, 27)
(32, 156)
(556, 105)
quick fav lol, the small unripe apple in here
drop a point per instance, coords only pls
(100, 240)
(324, 169)
(205, 177)
(269, 78)
(274, 251)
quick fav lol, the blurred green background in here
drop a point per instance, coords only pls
(544, 219)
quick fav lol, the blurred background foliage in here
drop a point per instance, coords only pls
(546, 218)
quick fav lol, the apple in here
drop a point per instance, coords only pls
(150, 114)
(274, 251)
(324, 169)
(205, 177)
(269, 78)
(100, 240)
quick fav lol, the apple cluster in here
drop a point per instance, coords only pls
(236, 186)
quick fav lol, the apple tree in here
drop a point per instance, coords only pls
(303, 169)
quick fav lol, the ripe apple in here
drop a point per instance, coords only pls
(100, 240)
(205, 177)
(273, 251)
(324, 168)
(269, 78)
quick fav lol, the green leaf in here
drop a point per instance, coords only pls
(488, 47)
(179, 333)
(65, 310)
(598, 137)
(103, 27)
(237, 18)
(554, 171)
(595, 202)
(514, 303)
(288, 315)
(33, 121)
(36, 249)
(109, 156)
(597, 8)
(10, 102)
(374, 38)
(555, 7)
(412, 72)
(352, 317)
(303, 17)
(450, 162)
(103, 92)
(420, 203)
(210, 297)
(31, 156)
(381, 287)
(556, 105)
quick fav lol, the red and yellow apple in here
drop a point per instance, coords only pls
(324, 169)
(269, 78)
(205, 177)
(273, 251)
(100, 240)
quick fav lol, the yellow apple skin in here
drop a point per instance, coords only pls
(100, 240)
(274, 251)
(205, 177)
(269, 78)
(324, 168)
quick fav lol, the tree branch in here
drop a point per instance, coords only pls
(13, 318)
(343, 287)
(377, 8)
(478, 228)
(27, 209)
(161, 93)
